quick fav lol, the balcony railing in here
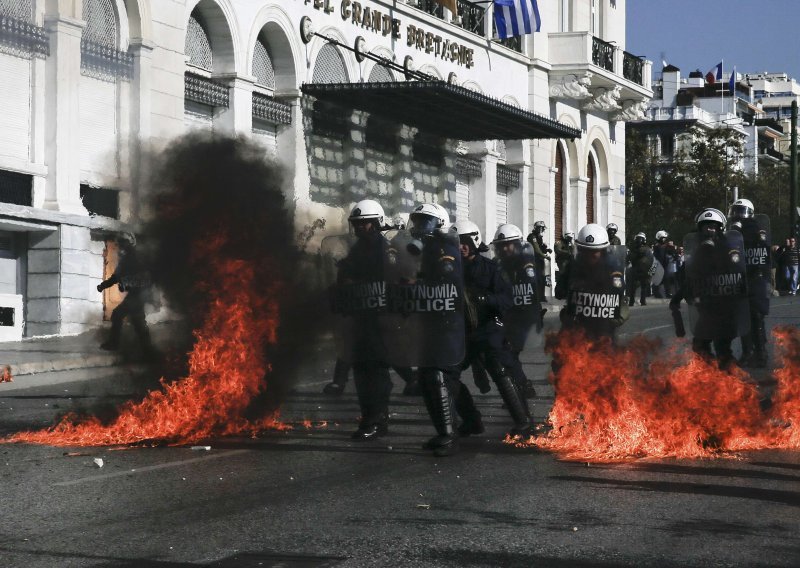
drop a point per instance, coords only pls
(23, 38)
(603, 54)
(431, 7)
(471, 17)
(632, 68)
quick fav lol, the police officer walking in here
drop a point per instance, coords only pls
(363, 267)
(541, 253)
(441, 336)
(640, 257)
(526, 310)
(131, 277)
(755, 231)
(564, 250)
(488, 298)
(593, 286)
(715, 286)
(611, 230)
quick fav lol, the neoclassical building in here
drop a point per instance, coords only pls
(399, 101)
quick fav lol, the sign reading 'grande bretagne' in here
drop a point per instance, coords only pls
(365, 17)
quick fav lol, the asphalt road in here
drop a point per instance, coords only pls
(315, 498)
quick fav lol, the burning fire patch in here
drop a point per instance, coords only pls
(622, 403)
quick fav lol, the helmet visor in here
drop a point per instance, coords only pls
(740, 212)
(421, 224)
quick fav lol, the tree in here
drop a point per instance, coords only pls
(668, 194)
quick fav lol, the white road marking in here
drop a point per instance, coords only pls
(147, 468)
(645, 330)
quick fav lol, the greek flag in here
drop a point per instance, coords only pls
(516, 17)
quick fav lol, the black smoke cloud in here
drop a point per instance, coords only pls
(202, 185)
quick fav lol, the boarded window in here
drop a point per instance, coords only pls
(501, 204)
(558, 193)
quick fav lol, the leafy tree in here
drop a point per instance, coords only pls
(667, 194)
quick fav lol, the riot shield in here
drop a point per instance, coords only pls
(656, 273)
(523, 322)
(424, 319)
(358, 297)
(596, 288)
(715, 285)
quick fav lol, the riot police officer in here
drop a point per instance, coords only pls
(715, 286)
(363, 266)
(660, 254)
(441, 336)
(755, 231)
(526, 311)
(541, 253)
(593, 285)
(488, 297)
(611, 230)
(132, 278)
(564, 250)
(640, 258)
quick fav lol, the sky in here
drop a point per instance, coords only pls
(698, 34)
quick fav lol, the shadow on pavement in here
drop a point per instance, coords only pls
(791, 498)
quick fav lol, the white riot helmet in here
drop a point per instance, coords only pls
(741, 209)
(612, 227)
(367, 209)
(539, 227)
(662, 235)
(506, 233)
(711, 215)
(469, 229)
(641, 237)
(592, 237)
(569, 236)
(428, 217)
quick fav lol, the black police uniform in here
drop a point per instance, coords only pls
(614, 240)
(759, 263)
(525, 313)
(364, 264)
(439, 263)
(131, 278)
(641, 259)
(717, 315)
(580, 283)
(488, 297)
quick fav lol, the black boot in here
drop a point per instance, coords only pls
(340, 373)
(517, 406)
(369, 429)
(440, 408)
(471, 417)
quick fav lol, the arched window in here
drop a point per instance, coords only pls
(101, 22)
(198, 46)
(17, 9)
(329, 66)
(380, 74)
(262, 65)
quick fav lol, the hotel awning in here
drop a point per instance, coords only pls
(443, 109)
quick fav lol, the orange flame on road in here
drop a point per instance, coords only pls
(226, 370)
(620, 403)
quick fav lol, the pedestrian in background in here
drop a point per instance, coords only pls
(791, 260)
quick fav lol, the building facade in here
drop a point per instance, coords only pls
(87, 83)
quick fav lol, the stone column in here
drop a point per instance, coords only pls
(238, 117)
(62, 125)
(577, 191)
(140, 107)
(293, 154)
(483, 200)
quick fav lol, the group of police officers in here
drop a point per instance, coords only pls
(425, 296)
